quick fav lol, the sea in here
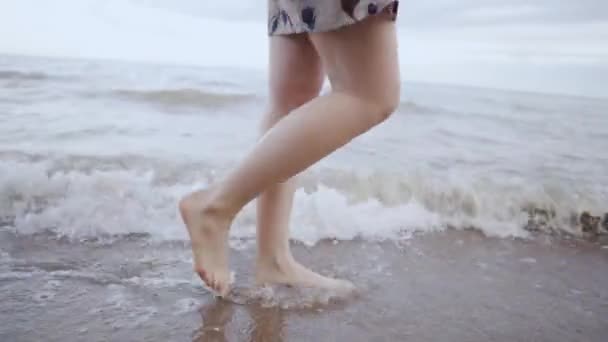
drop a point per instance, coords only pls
(461, 217)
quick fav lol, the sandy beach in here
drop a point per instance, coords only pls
(451, 286)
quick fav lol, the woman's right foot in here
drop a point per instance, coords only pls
(209, 235)
(287, 271)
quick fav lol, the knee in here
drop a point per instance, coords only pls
(385, 102)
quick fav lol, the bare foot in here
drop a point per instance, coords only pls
(209, 235)
(287, 271)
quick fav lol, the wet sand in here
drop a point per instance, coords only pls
(450, 286)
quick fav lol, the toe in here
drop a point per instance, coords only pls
(224, 287)
(221, 290)
(203, 275)
(213, 284)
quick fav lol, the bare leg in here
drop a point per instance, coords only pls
(296, 77)
(361, 61)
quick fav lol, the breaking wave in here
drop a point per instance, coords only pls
(22, 75)
(183, 97)
(86, 198)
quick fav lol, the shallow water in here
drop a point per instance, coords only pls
(451, 286)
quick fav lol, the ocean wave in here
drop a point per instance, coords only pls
(190, 97)
(183, 97)
(96, 198)
(409, 106)
(23, 75)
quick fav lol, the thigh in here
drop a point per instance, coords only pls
(295, 72)
(362, 58)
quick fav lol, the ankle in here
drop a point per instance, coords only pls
(216, 206)
(276, 261)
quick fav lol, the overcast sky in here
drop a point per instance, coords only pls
(538, 45)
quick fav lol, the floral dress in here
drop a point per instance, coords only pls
(298, 16)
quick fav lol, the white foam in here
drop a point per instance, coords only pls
(186, 305)
(11, 276)
(4, 256)
(158, 282)
(90, 203)
(328, 214)
(528, 260)
(79, 204)
(291, 297)
(117, 298)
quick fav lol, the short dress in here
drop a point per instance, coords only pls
(300, 16)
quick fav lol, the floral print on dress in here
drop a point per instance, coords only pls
(298, 16)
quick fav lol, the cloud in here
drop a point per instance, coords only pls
(450, 13)
(535, 45)
(539, 45)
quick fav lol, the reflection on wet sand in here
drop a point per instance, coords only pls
(215, 315)
(266, 323)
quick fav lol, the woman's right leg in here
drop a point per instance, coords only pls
(361, 62)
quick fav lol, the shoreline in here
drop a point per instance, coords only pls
(453, 285)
